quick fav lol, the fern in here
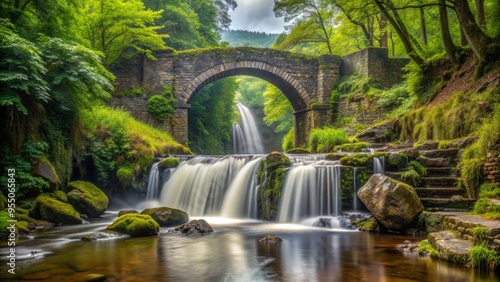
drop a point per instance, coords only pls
(22, 69)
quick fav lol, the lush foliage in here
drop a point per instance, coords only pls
(26, 184)
(23, 69)
(161, 107)
(325, 139)
(484, 258)
(414, 172)
(288, 141)
(278, 109)
(119, 141)
(120, 28)
(211, 117)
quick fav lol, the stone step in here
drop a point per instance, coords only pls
(450, 247)
(442, 171)
(434, 162)
(440, 153)
(464, 223)
(438, 181)
(377, 145)
(448, 204)
(443, 192)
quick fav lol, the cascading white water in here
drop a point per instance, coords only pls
(355, 199)
(152, 190)
(198, 185)
(246, 138)
(241, 198)
(309, 191)
(378, 165)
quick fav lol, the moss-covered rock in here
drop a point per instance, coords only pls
(168, 163)
(135, 225)
(357, 160)
(125, 174)
(335, 156)
(298, 151)
(271, 174)
(61, 196)
(351, 147)
(55, 211)
(44, 168)
(369, 225)
(394, 204)
(122, 212)
(167, 216)
(87, 198)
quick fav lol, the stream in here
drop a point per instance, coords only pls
(232, 253)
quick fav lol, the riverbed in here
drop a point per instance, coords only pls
(232, 253)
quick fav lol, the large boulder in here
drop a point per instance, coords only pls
(394, 204)
(87, 198)
(135, 225)
(381, 133)
(44, 168)
(199, 226)
(167, 216)
(57, 212)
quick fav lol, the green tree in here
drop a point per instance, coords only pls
(278, 110)
(211, 117)
(121, 28)
(55, 18)
(250, 91)
(313, 19)
(182, 23)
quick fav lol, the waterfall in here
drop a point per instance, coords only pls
(241, 198)
(310, 190)
(199, 185)
(152, 191)
(355, 199)
(246, 138)
(378, 165)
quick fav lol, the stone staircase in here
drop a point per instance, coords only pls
(451, 234)
(438, 189)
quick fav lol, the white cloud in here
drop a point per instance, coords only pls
(256, 15)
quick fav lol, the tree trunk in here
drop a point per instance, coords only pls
(382, 42)
(445, 32)
(475, 36)
(423, 27)
(481, 21)
(463, 40)
(403, 35)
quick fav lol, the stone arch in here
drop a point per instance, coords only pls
(295, 92)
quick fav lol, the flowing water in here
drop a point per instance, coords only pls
(152, 190)
(246, 137)
(232, 253)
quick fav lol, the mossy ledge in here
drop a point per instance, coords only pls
(271, 174)
(135, 225)
(87, 198)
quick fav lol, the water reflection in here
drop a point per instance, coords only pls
(233, 253)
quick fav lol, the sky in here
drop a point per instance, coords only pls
(256, 15)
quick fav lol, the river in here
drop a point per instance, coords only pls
(232, 253)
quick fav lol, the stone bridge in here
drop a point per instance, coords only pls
(307, 81)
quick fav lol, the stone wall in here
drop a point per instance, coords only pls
(491, 169)
(363, 109)
(128, 74)
(375, 63)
